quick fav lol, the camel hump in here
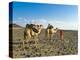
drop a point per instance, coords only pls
(50, 27)
(35, 30)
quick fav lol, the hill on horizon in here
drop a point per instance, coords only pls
(15, 26)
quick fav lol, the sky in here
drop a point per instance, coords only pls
(60, 16)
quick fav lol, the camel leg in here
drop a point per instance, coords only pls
(61, 37)
(28, 38)
(36, 43)
(36, 40)
(47, 36)
(50, 36)
(23, 46)
(24, 36)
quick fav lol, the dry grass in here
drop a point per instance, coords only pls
(44, 47)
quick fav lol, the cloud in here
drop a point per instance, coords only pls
(56, 23)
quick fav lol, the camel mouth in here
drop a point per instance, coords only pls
(35, 30)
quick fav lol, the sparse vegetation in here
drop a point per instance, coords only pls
(44, 47)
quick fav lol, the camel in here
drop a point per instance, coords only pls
(50, 31)
(36, 30)
(32, 31)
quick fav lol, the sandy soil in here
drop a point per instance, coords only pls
(44, 47)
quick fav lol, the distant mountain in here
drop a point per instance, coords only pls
(15, 26)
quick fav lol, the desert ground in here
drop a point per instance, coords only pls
(44, 47)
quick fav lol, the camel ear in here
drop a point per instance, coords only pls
(56, 28)
(40, 26)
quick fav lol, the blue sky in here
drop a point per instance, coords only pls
(61, 16)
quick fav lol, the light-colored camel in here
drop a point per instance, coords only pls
(50, 31)
(32, 31)
(36, 30)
